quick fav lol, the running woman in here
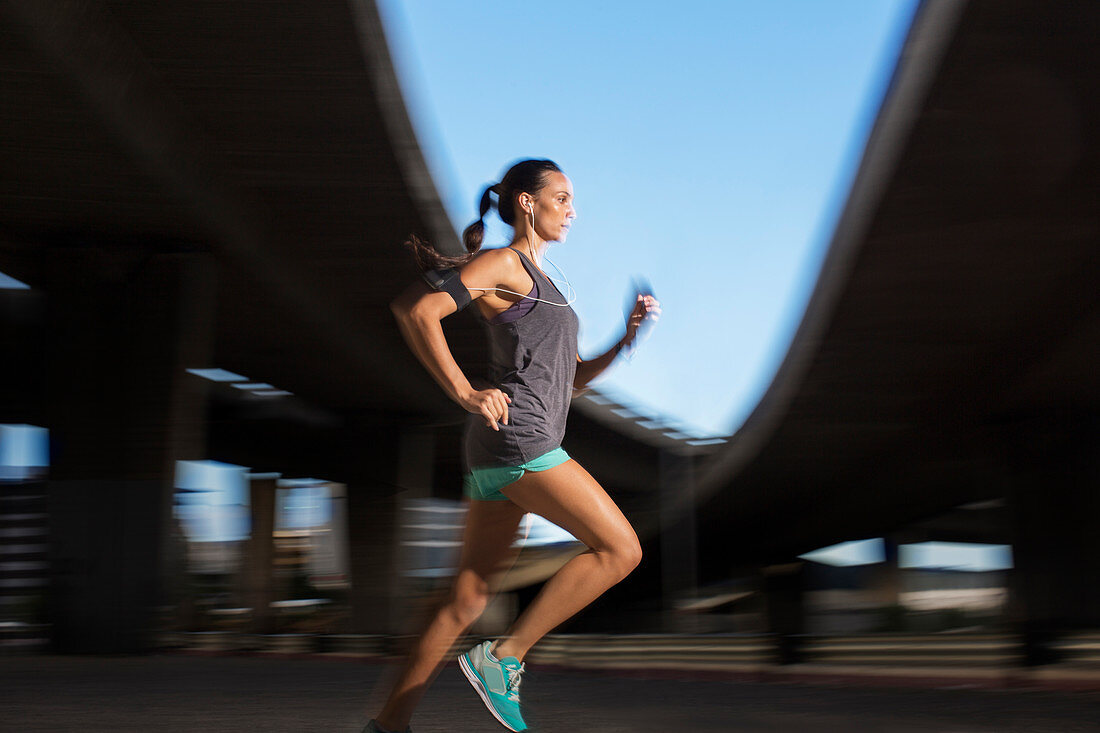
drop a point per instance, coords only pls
(513, 437)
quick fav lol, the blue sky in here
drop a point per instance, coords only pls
(711, 145)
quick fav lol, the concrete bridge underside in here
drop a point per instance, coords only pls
(225, 185)
(948, 353)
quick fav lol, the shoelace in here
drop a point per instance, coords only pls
(514, 680)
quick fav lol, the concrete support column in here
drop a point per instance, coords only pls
(121, 410)
(338, 495)
(373, 544)
(1056, 546)
(679, 566)
(375, 535)
(259, 554)
(886, 581)
(416, 463)
(784, 594)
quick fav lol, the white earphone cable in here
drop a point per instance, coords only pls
(570, 299)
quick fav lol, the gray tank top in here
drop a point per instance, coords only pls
(533, 360)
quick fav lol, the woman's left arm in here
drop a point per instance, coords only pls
(646, 307)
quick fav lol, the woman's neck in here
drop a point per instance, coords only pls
(523, 243)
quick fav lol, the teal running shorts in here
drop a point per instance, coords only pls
(485, 483)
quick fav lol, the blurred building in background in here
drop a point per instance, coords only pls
(199, 219)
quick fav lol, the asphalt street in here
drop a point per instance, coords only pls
(186, 693)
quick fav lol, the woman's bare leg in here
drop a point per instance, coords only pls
(486, 550)
(570, 498)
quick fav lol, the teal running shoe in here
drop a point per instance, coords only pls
(496, 682)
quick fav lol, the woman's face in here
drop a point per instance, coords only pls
(554, 212)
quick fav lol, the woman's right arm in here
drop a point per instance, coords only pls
(419, 312)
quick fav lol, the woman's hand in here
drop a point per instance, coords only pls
(492, 404)
(646, 308)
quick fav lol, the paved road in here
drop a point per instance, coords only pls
(177, 693)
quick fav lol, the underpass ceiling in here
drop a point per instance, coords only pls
(249, 130)
(264, 134)
(270, 137)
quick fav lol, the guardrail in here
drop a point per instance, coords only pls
(971, 650)
(1080, 649)
(990, 660)
(666, 651)
(734, 652)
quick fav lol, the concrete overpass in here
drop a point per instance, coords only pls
(223, 186)
(948, 352)
(210, 185)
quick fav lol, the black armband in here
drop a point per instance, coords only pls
(448, 281)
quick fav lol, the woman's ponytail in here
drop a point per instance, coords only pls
(429, 258)
(474, 235)
(525, 176)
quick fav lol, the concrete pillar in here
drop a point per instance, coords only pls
(679, 565)
(784, 594)
(416, 462)
(121, 410)
(23, 337)
(373, 550)
(258, 567)
(886, 580)
(1055, 505)
(338, 526)
(379, 593)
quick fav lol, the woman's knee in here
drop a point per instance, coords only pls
(625, 555)
(633, 555)
(469, 599)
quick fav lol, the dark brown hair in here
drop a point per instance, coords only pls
(526, 176)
